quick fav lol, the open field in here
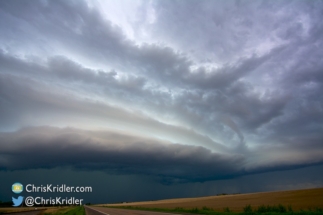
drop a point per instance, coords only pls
(77, 210)
(17, 209)
(297, 199)
(45, 210)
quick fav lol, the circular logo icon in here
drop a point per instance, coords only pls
(17, 187)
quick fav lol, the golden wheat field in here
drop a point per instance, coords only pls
(298, 199)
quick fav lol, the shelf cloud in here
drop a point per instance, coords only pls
(180, 91)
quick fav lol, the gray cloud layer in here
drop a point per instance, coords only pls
(115, 153)
(119, 153)
(238, 79)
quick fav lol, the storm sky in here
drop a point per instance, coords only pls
(162, 95)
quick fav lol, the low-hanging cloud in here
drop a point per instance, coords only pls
(114, 153)
(172, 78)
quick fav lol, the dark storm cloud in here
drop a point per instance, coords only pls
(114, 153)
(119, 153)
(131, 188)
(232, 77)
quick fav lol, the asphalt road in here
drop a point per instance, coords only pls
(114, 211)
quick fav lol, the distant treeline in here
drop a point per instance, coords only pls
(5, 204)
(223, 194)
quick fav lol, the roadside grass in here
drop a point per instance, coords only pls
(13, 210)
(79, 210)
(247, 210)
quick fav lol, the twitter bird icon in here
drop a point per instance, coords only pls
(17, 201)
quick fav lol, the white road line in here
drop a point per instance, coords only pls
(98, 211)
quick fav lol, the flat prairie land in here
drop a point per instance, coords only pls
(16, 209)
(22, 209)
(297, 199)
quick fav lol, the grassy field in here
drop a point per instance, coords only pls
(16, 209)
(247, 210)
(79, 210)
(308, 199)
(48, 210)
